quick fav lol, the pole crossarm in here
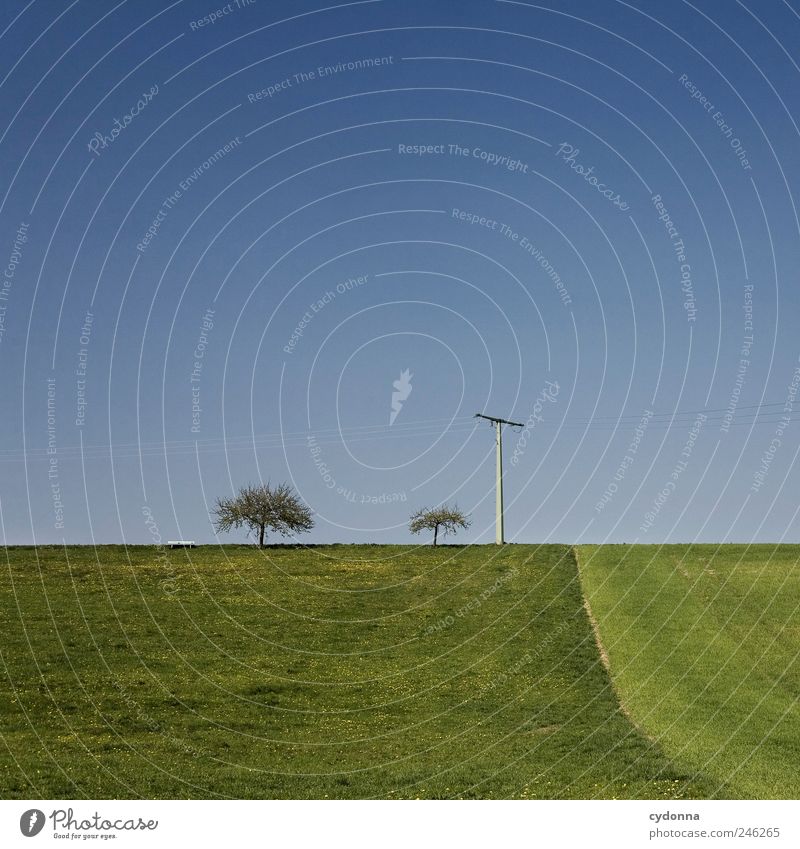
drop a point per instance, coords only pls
(496, 420)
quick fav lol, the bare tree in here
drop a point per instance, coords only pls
(449, 519)
(261, 507)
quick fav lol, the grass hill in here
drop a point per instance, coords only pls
(704, 649)
(331, 671)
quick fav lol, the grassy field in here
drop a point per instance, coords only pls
(337, 671)
(703, 644)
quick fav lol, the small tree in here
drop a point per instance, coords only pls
(449, 519)
(261, 507)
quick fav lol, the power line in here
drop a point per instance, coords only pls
(754, 414)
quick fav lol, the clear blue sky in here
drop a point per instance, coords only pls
(226, 232)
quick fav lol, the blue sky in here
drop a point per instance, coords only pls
(224, 240)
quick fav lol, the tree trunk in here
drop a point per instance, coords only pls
(435, 533)
(261, 537)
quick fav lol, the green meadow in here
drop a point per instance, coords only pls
(703, 644)
(398, 672)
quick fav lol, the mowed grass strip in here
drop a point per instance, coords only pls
(703, 642)
(333, 671)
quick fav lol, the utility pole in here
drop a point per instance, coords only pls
(498, 426)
